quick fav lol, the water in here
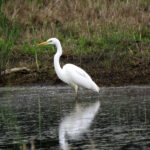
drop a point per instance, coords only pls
(49, 118)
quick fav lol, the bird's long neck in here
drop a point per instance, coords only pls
(57, 58)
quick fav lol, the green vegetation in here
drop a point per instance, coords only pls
(111, 35)
(10, 33)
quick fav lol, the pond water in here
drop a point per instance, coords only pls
(49, 118)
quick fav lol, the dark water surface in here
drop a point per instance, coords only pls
(49, 118)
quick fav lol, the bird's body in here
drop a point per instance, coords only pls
(71, 74)
(77, 76)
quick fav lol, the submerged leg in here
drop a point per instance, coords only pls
(76, 91)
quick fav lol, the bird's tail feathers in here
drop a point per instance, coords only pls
(95, 87)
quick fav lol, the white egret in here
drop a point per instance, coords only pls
(70, 74)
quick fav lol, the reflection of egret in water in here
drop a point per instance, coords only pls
(77, 123)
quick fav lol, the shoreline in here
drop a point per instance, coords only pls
(44, 78)
(118, 72)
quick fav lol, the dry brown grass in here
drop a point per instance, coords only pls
(86, 17)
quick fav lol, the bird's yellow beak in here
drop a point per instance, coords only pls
(43, 43)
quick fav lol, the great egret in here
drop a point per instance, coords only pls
(70, 74)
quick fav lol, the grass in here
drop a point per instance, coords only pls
(103, 29)
(10, 32)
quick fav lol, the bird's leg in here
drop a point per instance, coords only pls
(98, 95)
(76, 91)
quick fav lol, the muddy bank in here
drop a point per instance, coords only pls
(102, 79)
(116, 74)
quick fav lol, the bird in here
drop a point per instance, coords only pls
(71, 74)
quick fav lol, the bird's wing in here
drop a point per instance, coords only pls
(77, 76)
(76, 70)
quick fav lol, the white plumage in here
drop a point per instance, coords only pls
(71, 74)
(78, 76)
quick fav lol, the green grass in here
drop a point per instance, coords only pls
(109, 29)
(10, 33)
